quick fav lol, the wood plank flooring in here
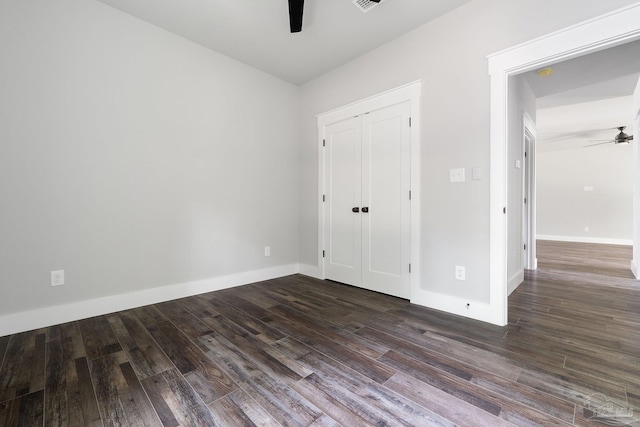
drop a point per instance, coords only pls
(297, 351)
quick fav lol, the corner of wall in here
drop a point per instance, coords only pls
(515, 281)
(311, 271)
(454, 305)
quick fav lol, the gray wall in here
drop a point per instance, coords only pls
(133, 159)
(449, 55)
(564, 208)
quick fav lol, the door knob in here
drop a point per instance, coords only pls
(365, 209)
(355, 210)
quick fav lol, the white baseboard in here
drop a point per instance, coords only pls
(634, 269)
(515, 281)
(48, 316)
(455, 305)
(311, 271)
(582, 239)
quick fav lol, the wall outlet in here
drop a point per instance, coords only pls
(586, 229)
(57, 278)
(460, 272)
(456, 175)
(267, 251)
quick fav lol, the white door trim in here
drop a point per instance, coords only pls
(410, 92)
(612, 29)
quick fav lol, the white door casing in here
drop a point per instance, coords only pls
(388, 170)
(609, 30)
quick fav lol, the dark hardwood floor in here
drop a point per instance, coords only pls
(302, 352)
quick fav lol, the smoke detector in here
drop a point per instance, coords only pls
(366, 5)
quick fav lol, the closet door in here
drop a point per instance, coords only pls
(367, 207)
(343, 185)
(386, 179)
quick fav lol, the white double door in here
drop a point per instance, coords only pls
(367, 205)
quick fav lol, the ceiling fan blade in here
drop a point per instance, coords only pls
(600, 143)
(296, 7)
(560, 136)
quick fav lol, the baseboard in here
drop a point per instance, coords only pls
(311, 271)
(634, 269)
(48, 316)
(455, 305)
(515, 281)
(582, 239)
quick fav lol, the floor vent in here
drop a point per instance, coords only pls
(366, 5)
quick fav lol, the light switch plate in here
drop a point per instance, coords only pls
(475, 173)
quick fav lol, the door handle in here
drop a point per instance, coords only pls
(365, 209)
(355, 210)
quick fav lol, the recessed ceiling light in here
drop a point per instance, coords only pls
(545, 72)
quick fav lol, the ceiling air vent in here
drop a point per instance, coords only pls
(366, 5)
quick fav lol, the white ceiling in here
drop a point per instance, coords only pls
(574, 126)
(256, 32)
(609, 73)
(586, 98)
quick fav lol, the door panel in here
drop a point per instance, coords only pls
(386, 183)
(367, 166)
(343, 173)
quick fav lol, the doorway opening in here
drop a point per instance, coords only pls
(608, 31)
(585, 180)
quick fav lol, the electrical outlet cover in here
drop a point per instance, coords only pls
(57, 278)
(456, 175)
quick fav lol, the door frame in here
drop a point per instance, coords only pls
(606, 31)
(410, 92)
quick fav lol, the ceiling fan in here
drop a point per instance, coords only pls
(621, 138)
(296, 9)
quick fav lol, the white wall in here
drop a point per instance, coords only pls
(521, 101)
(134, 159)
(449, 55)
(565, 208)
